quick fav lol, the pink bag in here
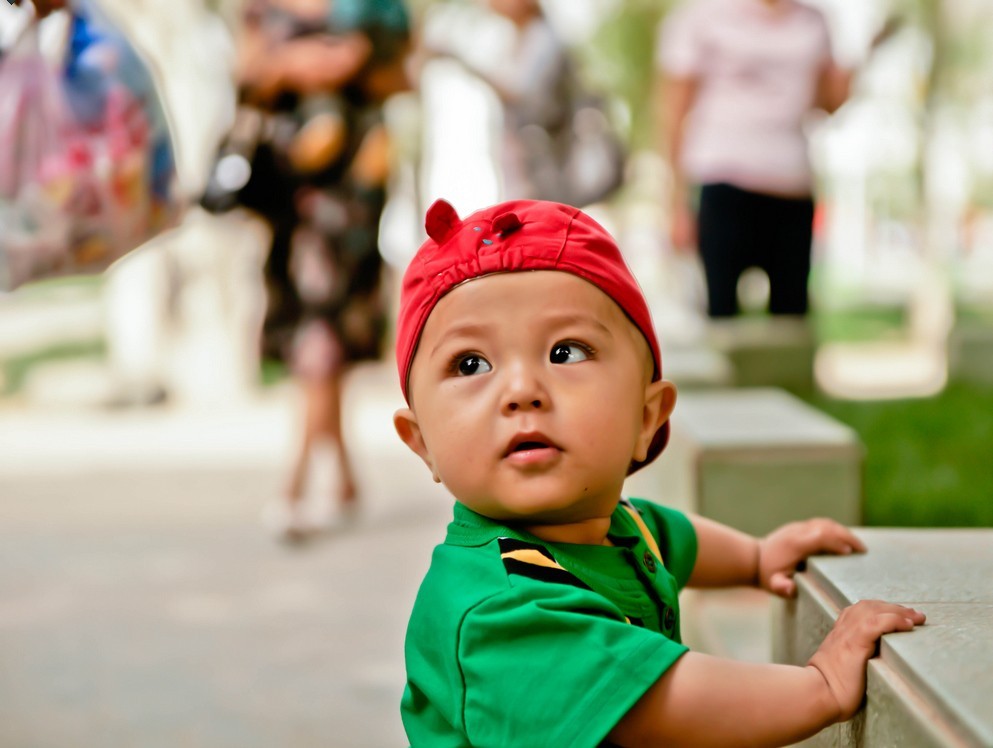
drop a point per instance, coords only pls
(74, 195)
(32, 114)
(33, 122)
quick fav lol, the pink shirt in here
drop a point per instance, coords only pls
(757, 68)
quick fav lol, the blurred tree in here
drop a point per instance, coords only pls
(960, 73)
(620, 60)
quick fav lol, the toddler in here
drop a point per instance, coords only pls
(550, 614)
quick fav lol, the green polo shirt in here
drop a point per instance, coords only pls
(517, 642)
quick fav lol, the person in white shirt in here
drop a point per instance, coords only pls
(740, 78)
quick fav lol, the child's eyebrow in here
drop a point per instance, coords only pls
(465, 330)
(566, 320)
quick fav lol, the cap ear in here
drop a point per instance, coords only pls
(441, 221)
(506, 224)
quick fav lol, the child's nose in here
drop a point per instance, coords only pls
(536, 404)
(525, 390)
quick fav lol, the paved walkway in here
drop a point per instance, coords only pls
(141, 603)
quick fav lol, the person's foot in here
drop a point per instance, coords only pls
(286, 519)
(348, 493)
(339, 512)
(348, 501)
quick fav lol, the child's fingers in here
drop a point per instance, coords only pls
(853, 540)
(830, 536)
(837, 544)
(888, 623)
(782, 584)
(917, 616)
(875, 618)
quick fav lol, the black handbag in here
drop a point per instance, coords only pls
(250, 170)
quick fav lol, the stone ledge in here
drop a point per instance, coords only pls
(733, 623)
(697, 368)
(970, 352)
(767, 350)
(931, 687)
(755, 458)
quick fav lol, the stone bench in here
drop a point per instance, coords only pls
(697, 368)
(970, 352)
(767, 351)
(756, 458)
(927, 688)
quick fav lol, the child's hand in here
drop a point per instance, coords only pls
(842, 656)
(782, 550)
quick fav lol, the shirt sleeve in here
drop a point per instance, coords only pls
(675, 535)
(678, 48)
(552, 664)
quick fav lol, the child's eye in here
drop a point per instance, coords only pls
(469, 365)
(569, 353)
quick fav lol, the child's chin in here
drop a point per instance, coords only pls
(550, 512)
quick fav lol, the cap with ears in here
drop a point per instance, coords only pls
(517, 236)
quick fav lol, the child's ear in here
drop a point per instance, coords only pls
(405, 423)
(660, 400)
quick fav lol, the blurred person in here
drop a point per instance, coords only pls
(740, 78)
(530, 84)
(555, 142)
(327, 71)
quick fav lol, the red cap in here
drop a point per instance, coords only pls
(512, 237)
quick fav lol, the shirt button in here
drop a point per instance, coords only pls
(649, 561)
(668, 618)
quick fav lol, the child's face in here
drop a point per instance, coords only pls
(530, 395)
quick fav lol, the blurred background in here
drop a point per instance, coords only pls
(188, 552)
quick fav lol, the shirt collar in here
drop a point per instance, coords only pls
(469, 528)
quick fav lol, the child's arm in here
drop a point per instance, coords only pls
(727, 557)
(704, 700)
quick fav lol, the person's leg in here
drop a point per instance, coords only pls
(347, 492)
(722, 241)
(316, 361)
(313, 424)
(790, 234)
(322, 420)
(319, 368)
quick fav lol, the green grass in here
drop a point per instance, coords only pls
(54, 288)
(272, 372)
(859, 324)
(14, 370)
(970, 314)
(929, 461)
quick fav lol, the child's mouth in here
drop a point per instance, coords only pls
(531, 448)
(526, 446)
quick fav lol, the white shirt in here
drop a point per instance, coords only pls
(757, 68)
